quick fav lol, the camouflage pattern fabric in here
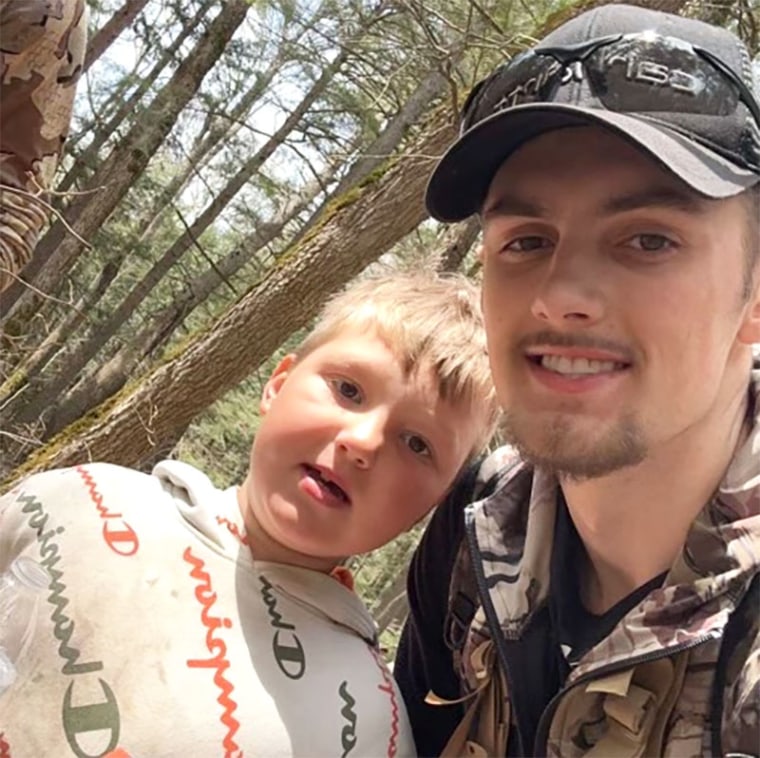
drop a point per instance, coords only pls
(42, 47)
(682, 622)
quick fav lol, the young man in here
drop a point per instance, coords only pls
(602, 599)
(186, 621)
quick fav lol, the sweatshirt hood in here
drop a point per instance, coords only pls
(215, 517)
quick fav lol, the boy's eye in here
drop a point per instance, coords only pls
(417, 445)
(347, 389)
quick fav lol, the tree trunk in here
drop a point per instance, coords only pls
(95, 386)
(88, 159)
(108, 33)
(125, 164)
(32, 406)
(362, 226)
(455, 245)
(205, 147)
(392, 604)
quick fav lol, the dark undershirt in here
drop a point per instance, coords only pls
(537, 665)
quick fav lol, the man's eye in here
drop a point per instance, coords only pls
(417, 445)
(348, 390)
(652, 243)
(527, 244)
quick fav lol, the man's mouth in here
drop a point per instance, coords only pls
(561, 364)
(324, 481)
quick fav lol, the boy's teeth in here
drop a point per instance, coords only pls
(334, 488)
(563, 365)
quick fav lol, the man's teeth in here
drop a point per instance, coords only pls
(563, 365)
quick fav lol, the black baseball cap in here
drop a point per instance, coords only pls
(679, 89)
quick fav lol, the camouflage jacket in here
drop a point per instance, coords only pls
(41, 56)
(650, 687)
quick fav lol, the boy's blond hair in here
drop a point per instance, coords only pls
(427, 319)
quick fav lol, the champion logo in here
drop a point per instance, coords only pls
(348, 733)
(232, 529)
(215, 645)
(117, 533)
(78, 714)
(387, 687)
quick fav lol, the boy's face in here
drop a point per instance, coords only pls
(613, 303)
(350, 452)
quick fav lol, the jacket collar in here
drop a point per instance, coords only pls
(513, 533)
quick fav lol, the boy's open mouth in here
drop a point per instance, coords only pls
(324, 481)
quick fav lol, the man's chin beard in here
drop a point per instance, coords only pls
(556, 449)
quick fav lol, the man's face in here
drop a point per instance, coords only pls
(613, 303)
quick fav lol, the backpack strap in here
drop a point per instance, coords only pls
(463, 587)
(484, 728)
(739, 625)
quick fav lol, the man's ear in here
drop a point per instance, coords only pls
(275, 382)
(749, 331)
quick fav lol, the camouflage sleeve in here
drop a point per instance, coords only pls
(42, 47)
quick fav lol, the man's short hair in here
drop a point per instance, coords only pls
(428, 320)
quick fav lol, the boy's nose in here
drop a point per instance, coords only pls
(362, 438)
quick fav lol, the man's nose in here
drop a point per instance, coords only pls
(362, 436)
(570, 292)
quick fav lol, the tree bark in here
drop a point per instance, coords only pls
(107, 34)
(125, 164)
(87, 160)
(33, 405)
(392, 604)
(455, 245)
(95, 386)
(360, 228)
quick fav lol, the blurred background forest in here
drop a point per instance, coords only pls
(230, 164)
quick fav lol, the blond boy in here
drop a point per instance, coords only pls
(187, 621)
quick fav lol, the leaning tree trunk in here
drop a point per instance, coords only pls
(219, 127)
(392, 604)
(100, 382)
(124, 165)
(456, 243)
(32, 405)
(107, 34)
(362, 226)
(96, 385)
(88, 159)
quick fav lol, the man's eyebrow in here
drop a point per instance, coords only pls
(512, 205)
(661, 197)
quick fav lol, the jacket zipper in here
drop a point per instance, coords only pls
(498, 636)
(480, 580)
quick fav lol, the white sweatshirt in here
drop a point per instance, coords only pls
(163, 637)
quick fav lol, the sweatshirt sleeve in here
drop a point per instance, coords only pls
(423, 660)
